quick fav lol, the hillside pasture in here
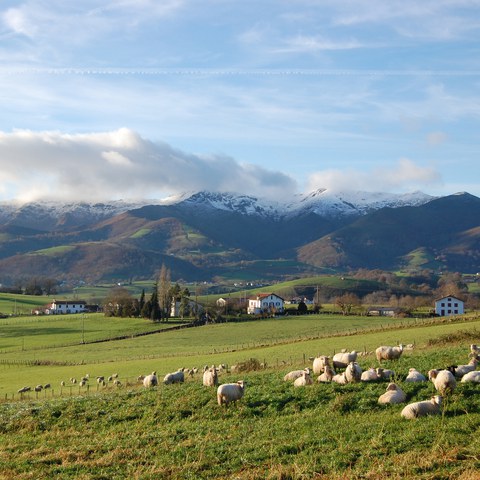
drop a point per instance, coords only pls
(325, 431)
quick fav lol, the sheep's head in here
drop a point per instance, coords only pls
(432, 374)
(437, 399)
(392, 386)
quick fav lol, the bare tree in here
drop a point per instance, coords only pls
(164, 289)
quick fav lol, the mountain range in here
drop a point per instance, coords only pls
(206, 235)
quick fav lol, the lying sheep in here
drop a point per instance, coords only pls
(394, 394)
(388, 353)
(150, 380)
(327, 375)
(370, 375)
(176, 377)
(230, 392)
(471, 377)
(421, 409)
(210, 377)
(385, 373)
(342, 359)
(415, 376)
(319, 363)
(443, 380)
(294, 374)
(304, 380)
(461, 370)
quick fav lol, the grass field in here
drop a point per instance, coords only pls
(325, 431)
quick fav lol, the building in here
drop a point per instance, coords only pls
(265, 303)
(58, 307)
(449, 306)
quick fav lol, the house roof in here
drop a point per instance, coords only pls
(449, 296)
(68, 302)
(264, 295)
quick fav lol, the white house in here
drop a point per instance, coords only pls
(449, 306)
(265, 302)
(66, 306)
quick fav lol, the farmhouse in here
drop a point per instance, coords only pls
(265, 302)
(66, 306)
(450, 305)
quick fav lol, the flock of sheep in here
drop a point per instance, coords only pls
(444, 380)
(342, 369)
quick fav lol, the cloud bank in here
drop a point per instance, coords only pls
(120, 164)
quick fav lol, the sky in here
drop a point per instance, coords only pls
(132, 99)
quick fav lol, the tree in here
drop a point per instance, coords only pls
(164, 292)
(118, 303)
(302, 308)
(346, 302)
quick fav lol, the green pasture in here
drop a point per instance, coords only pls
(54, 251)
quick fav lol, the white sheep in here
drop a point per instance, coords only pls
(443, 380)
(150, 380)
(461, 370)
(175, 377)
(210, 377)
(327, 375)
(304, 380)
(385, 373)
(340, 378)
(342, 359)
(353, 372)
(474, 349)
(471, 377)
(370, 375)
(415, 376)
(319, 363)
(230, 392)
(388, 353)
(393, 394)
(421, 409)
(294, 374)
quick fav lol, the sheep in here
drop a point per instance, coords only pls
(210, 377)
(24, 389)
(340, 378)
(83, 383)
(461, 370)
(327, 375)
(230, 392)
(150, 380)
(175, 377)
(140, 378)
(474, 349)
(294, 374)
(353, 372)
(471, 377)
(415, 376)
(117, 382)
(304, 380)
(100, 379)
(421, 409)
(47, 385)
(388, 353)
(370, 375)
(342, 359)
(443, 380)
(62, 383)
(393, 394)
(38, 388)
(385, 373)
(319, 363)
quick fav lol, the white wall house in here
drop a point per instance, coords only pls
(265, 302)
(66, 306)
(449, 306)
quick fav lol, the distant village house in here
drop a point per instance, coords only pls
(58, 307)
(265, 302)
(450, 305)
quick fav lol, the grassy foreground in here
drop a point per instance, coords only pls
(324, 431)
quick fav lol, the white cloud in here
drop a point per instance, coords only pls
(436, 138)
(121, 164)
(405, 175)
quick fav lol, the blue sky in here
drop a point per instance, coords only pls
(146, 98)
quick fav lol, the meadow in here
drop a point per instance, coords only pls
(324, 431)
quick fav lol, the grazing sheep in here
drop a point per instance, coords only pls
(24, 389)
(117, 382)
(304, 380)
(443, 380)
(150, 380)
(38, 388)
(47, 385)
(353, 372)
(83, 383)
(176, 377)
(342, 359)
(461, 370)
(393, 394)
(210, 377)
(415, 376)
(319, 363)
(62, 383)
(388, 353)
(230, 392)
(421, 409)
(471, 377)
(327, 375)
(370, 375)
(140, 378)
(100, 379)
(294, 374)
